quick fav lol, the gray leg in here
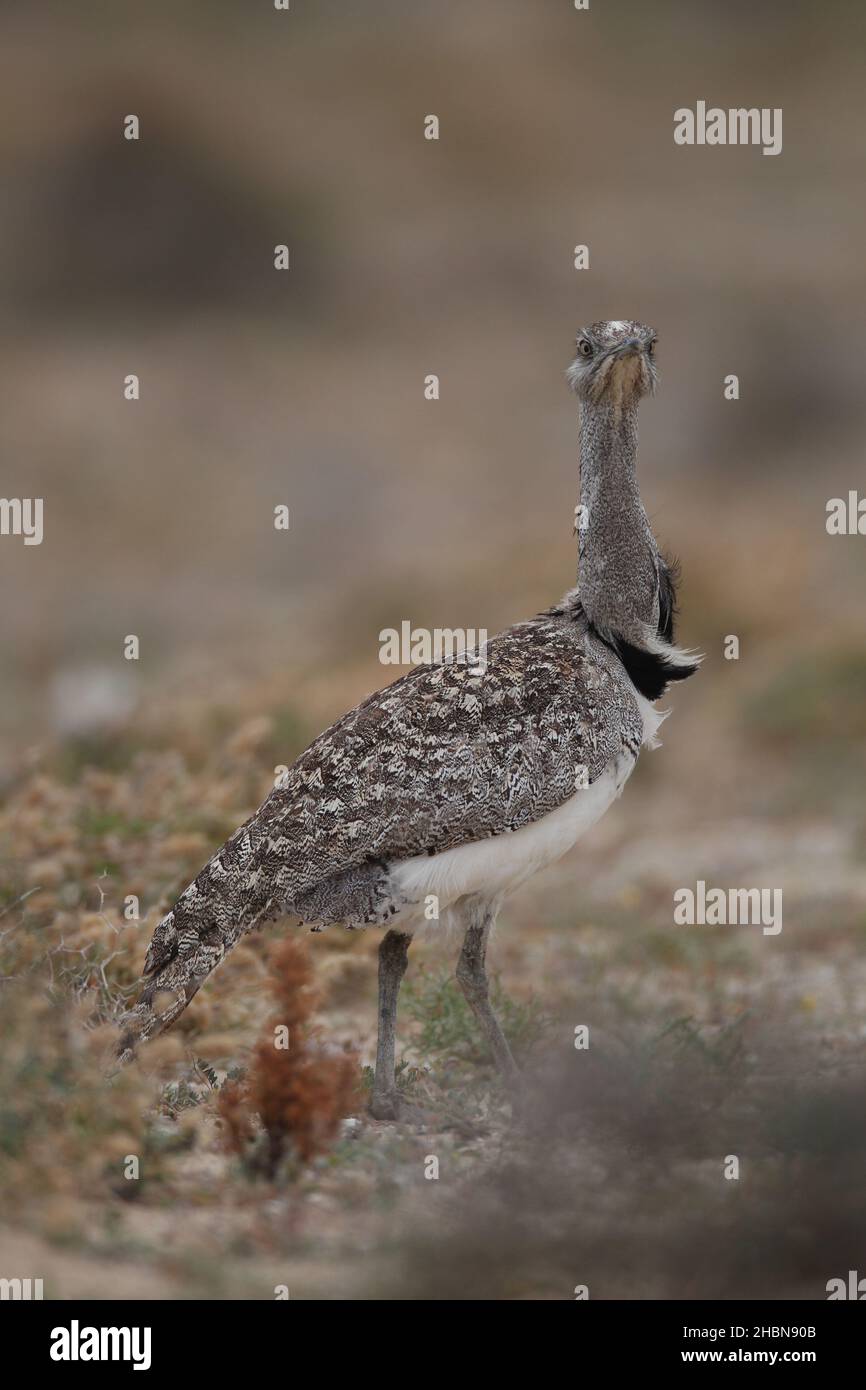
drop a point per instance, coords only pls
(393, 958)
(472, 978)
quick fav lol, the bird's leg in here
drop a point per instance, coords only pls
(472, 977)
(386, 1104)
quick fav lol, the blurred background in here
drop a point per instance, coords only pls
(306, 388)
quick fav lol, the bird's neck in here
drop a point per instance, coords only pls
(618, 556)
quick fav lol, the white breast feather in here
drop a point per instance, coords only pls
(502, 862)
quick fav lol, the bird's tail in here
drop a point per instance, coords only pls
(209, 918)
(171, 985)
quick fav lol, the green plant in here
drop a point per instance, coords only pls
(448, 1029)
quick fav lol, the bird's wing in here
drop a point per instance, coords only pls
(446, 755)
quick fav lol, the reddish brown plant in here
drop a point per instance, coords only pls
(299, 1088)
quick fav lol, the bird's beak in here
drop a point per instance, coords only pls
(630, 345)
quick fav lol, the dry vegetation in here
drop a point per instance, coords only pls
(297, 1089)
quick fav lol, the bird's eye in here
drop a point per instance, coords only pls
(651, 346)
(584, 347)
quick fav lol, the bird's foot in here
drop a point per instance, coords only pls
(392, 1105)
(518, 1108)
(516, 1095)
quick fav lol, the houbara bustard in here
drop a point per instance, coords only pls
(463, 778)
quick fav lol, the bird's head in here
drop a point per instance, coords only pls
(615, 362)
